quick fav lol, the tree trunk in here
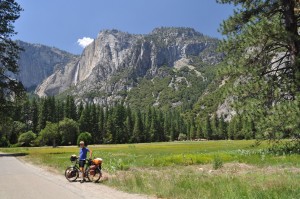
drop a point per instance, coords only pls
(54, 143)
(291, 26)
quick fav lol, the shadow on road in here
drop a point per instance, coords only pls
(12, 154)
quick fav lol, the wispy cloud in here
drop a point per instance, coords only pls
(83, 42)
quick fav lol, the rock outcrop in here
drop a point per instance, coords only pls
(116, 60)
(37, 62)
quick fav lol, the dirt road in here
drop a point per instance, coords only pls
(22, 180)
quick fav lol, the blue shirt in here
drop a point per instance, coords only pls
(82, 153)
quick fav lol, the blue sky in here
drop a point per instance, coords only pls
(61, 23)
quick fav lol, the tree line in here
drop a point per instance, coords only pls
(52, 121)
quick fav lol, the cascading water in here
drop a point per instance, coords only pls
(76, 74)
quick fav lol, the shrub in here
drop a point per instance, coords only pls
(49, 135)
(217, 163)
(26, 139)
(182, 137)
(86, 137)
(4, 142)
(69, 130)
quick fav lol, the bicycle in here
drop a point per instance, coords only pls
(92, 171)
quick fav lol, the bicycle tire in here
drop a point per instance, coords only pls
(70, 175)
(96, 177)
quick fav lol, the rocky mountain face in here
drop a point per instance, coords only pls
(37, 62)
(116, 63)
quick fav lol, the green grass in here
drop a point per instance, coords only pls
(185, 169)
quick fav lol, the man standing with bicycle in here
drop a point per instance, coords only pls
(82, 158)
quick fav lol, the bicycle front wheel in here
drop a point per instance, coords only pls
(71, 174)
(94, 175)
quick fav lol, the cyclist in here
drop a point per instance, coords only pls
(82, 157)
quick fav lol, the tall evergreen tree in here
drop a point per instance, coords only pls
(34, 115)
(73, 109)
(138, 129)
(222, 128)
(262, 51)
(154, 131)
(9, 54)
(101, 124)
(94, 124)
(208, 129)
(43, 115)
(85, 120)
(129, 124)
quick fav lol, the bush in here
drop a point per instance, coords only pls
(217, 163)
(4, 142)
(182, 137)
(69, 130)
(49, 135)
(26, 139)
(86, 137)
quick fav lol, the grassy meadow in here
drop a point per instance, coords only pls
(207, 169)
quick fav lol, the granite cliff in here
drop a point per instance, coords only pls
(116, 62)
(37, 62)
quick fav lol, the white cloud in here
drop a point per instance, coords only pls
(85, 41)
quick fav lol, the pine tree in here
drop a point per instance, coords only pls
(94, 124)
(80, 110)
(110, 127)
(215, 127)
(154, 131)
(9, 56)
(43, 115)
(73, 109)
(237, 128)
(147, 122)
(263, 47)
(85, 120)
(119, 118)
(60, 110)
(129, 124)
(166, 127)
(208, 129)
(192, 132)
(199, 134)
(68, 108)
(222, 129)
(161, 132)
(34, 116)
(138, 129)
(101, 124)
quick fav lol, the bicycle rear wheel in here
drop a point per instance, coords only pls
(71, 174)
(94, 176)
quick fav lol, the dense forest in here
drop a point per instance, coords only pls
(51, 121)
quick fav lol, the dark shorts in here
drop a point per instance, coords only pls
(81, 163)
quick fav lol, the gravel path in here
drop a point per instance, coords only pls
(26, 181)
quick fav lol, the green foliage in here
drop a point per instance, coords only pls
(9, 53)
(262, 51)
(69, 130)
(50, 135)
(27, 138)
(182, 137)
(178, 89)
(17, 129)
(4, 142)
(138, 129)
(217, 162)
(86, 137)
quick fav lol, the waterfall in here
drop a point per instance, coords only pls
(76, 74)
